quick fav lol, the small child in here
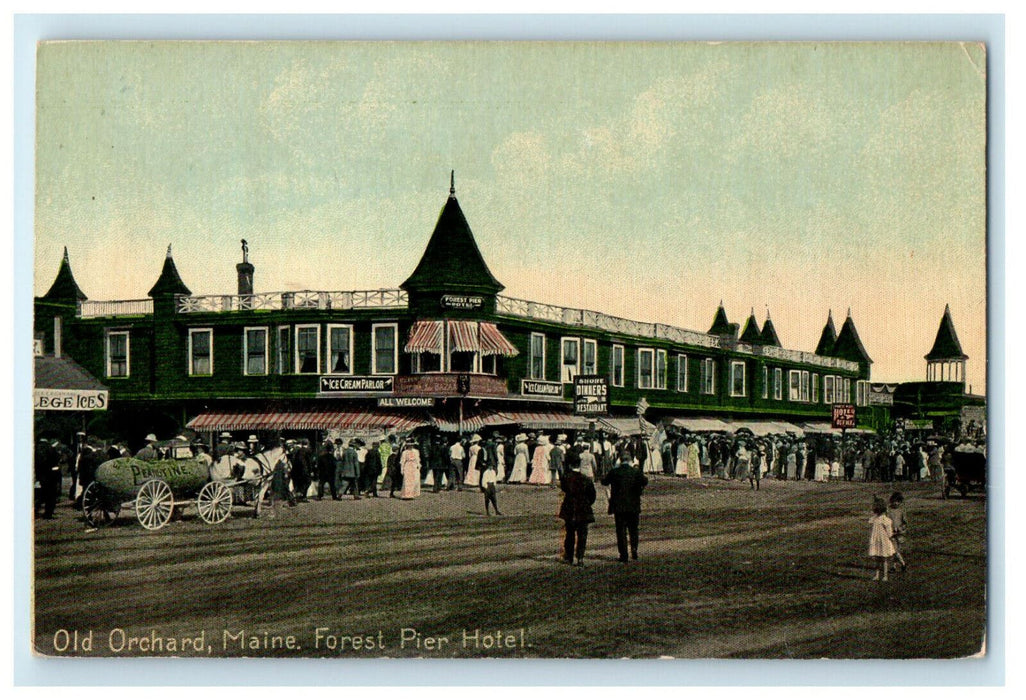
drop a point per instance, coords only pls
(899, 526)
(487, 486)
(881, 547)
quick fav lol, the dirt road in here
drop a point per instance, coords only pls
(724, 572)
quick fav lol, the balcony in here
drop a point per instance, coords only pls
(446, 385)
(103, 309)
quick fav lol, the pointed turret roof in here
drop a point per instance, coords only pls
(946, 345)
(828, 338)
(720, 324)
(64, 285)
(751, 333)
(169, 282)
(452, 260)
(769, 333)
(849, 345)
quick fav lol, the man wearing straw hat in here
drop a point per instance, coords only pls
(148, 453)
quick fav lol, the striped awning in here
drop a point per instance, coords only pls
(701, 425)
(540, 420)
(308, 420)
(766, 427)
(493, 342)
(625, 426)
(463, 336)
(425, 336)
(451, 424)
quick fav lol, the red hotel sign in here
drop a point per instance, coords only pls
(844, 416)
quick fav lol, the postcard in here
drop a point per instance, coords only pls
(517, 350)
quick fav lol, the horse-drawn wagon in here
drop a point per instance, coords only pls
(154, 489)
(967, 472)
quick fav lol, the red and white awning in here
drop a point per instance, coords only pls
(425, 336)
(307, 420)
(540, 420)
(493, 342)
(463, 336)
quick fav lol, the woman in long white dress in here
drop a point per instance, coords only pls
(473, 477)
(519, 473)
(694, 467)
(500, 460)
(540, 462)
(680, 467)
(409, 462)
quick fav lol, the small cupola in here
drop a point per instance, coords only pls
(946, 360)
(64, 287)
(751, 334)
(169, 282)
(828, 338)
(769, 333)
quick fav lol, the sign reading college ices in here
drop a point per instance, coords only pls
(69, 400)
(844, 416)
(406, 402)
(339, 384)
(535, 387)
(591, 395)
(462, 301)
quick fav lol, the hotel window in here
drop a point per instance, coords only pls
(425, 362)
(254, 350)
(765, 382)
(794, 389)
(571, 363)
(778, 383)
(660, 373)
(828, 389)
(117, 353)
(805, 385)
(537, 368)
(682, 373)
(340, 349)
(589, 365)
(201, 352)
(385, 349)
(646, 368)
(616, 366)
(708, 376)
(737, 378)
(284, 350)
(861, 393)
(308, 349)
(846, 394)
(815, 388)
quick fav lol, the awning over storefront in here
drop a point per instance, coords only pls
(61, 384)
(425, 336)
(765, 427)
(308, 420)
(451, 424)
(826, 428)
(493, 342)
(701, 425)
(625, 426)
(540, 420)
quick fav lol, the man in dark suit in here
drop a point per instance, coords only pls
(625, 485)
(347, 473)
(575, 510)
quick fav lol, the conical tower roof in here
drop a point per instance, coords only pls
(720, 324)
(751, 333)
(169, 282)
(769, 333)
(946, 345)
(828, 338)
(452, 261)
(849, 345)
(64, 285)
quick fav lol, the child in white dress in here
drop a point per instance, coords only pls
(881, 547)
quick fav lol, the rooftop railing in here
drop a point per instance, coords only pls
(101, 309)
(274, 301)
(593, 319)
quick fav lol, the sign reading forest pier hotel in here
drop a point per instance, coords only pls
(462, 301)
(591, 395)
(337, 384)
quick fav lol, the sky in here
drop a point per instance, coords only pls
(644, 180)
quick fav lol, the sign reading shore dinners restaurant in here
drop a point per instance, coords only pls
(535, 387)
(462, 301)
(844, 415)
(591, 395)
(337, 384)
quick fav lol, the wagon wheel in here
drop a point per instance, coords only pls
(154, 504)
(99, 505)
(214, 503)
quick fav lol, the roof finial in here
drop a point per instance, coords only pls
(245, 251)
(849, 312)
(753, 311)
(452, 183)
(767, 313)
(66, 254)
(947, 307)
(830, 314)
(721, 303)
(168, 251)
